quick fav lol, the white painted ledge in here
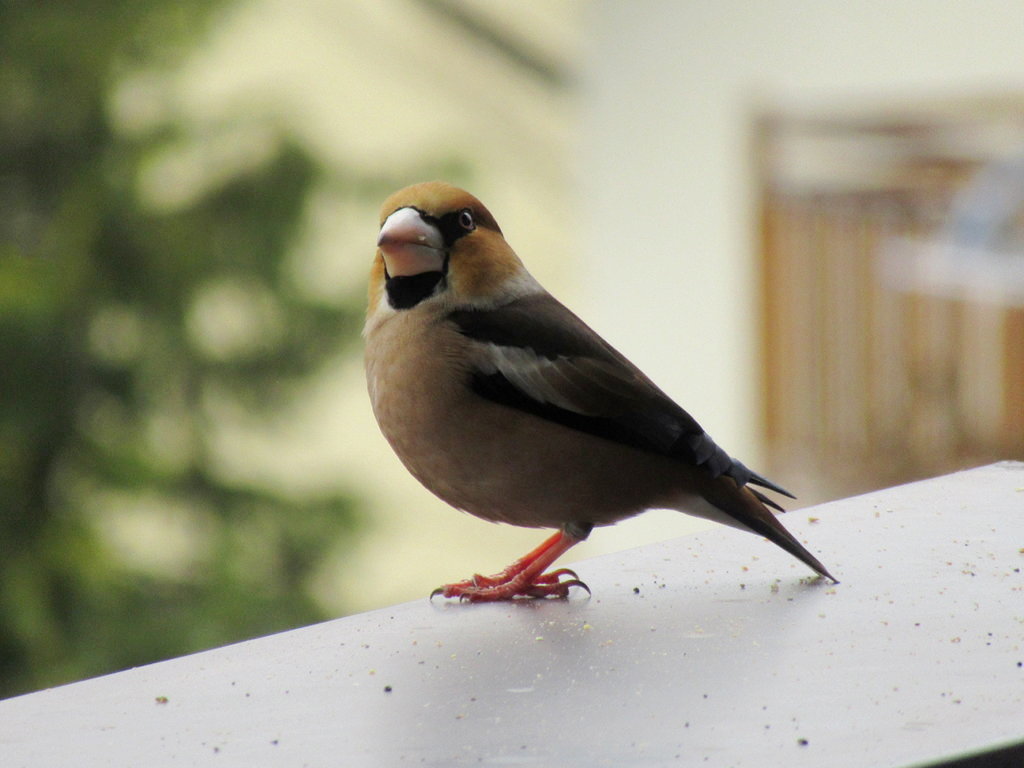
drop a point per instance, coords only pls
(709, 649)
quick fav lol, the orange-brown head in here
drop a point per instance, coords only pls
(438, 240)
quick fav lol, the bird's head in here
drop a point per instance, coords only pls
(437, 240)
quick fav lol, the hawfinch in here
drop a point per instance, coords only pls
(506, 405)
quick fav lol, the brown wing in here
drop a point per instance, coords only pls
(536, 355)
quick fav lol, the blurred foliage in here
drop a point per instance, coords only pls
(124, 329)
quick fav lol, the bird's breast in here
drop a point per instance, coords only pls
(417, 380)
(494, 461)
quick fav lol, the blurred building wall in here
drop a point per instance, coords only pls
(892, 284)
(667, 171)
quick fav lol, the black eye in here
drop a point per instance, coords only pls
(466, 220)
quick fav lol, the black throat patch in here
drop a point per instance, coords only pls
(408, 291)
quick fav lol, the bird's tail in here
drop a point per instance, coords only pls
(770, 527)
(749, 508)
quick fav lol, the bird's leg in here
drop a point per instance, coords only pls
(524, 578)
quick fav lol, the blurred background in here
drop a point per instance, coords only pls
(805, 221)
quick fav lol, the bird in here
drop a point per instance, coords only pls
(506, 405)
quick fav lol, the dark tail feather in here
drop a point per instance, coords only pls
(772, 530)
(743, 474)
(764, 482)
(766, 500)
(749, 507)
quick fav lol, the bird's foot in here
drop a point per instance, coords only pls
(510, 584)
(524, 578)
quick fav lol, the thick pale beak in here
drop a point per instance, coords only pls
(410, 245)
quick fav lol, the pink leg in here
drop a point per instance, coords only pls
(524, 578)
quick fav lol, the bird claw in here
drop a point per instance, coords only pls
(555, 576)
(502, 586)
(559, 589)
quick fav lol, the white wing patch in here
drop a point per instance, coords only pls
(578, 384)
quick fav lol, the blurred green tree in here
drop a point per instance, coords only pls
(124, 327)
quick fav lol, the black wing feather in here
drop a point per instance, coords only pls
(615, 399)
